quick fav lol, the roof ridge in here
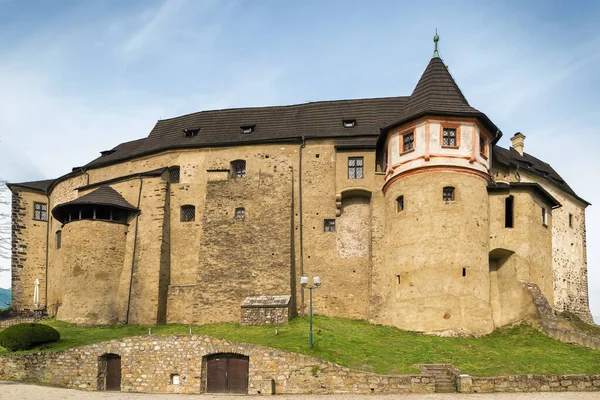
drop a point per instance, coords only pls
(284, 106)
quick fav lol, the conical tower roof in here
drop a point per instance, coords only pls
(437, 93)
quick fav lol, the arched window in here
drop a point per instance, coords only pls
(174, 175)
(448, 193)
(187, 213)
(240, 213)
(238, 169)
(400, 204)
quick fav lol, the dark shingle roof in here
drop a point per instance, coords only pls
(35, 185)
(532, 186)
(104, 195)
(222, 127)
(437, 93)
(527, 162)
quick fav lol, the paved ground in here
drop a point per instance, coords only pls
(14, 391)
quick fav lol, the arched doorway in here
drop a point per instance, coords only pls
(109, 372)
(227, 373)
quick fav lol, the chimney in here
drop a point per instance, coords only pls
(518, 142)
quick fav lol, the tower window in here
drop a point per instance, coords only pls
(349, 123)
(408, 142)
(355, 168)
(238, 169)
(483, 146)
(570, 220)
(240, 213)
(449, 138)
(400, 204)
(464, 272)
(509, 204)
(187, 213)
(174, 175)
(40, 211)
(448, 193)
(58, 239)
(329, 225)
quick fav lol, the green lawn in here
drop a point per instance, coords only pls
(381, 349)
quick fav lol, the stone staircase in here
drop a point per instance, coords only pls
(444, 374)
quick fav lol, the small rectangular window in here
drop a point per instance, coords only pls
(329, 225)
(240, 213)
(174, 175)
(191, 132)
(238, 169)
(187, 213)
(246, 129)
(408, 142)
(448, 193)
(544, 216)
(482, 146)
(449, 137)
(464, 272)
(40, 211)
(570, 220)
(355, 168)
(58, 239)
(400, 203)
(509, 204)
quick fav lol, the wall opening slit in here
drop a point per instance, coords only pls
(509, 203)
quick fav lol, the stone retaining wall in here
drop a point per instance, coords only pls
(528, 383)
(147, 363)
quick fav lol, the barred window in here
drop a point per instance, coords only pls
(449, 137)
(329, 225)
(400, 203)
(174, 174)
(187, 213)
(40, 211)
(448, 193)
(58, 239)
(408, 141)
(355, 168)
(240, 213)
(238, 169)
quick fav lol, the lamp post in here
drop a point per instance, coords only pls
(316, 284)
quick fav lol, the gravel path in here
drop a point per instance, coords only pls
(13, 391)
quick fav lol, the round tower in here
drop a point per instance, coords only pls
(435, 277)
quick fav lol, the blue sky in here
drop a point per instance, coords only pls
(77, 77)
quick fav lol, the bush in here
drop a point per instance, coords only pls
(27, 336)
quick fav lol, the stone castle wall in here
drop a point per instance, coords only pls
(200, 271)
(28, 247)
(147, 363)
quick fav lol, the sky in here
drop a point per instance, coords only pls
(78, 77)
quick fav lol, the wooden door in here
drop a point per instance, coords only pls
(227, 373)
(113, 372)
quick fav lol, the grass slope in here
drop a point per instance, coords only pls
(381, 349)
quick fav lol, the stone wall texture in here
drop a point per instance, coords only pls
(255, 316)
(529, 383)
(443, 267)
(147, 363)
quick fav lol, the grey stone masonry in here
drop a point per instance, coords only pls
(266, 310)
(147, 363)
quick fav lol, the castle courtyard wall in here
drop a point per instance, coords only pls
(147, 363)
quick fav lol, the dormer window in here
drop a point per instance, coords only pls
(106, 153)
(349, 123)
(191, 132)
(246, 129)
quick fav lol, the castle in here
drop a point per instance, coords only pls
(405, 207)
